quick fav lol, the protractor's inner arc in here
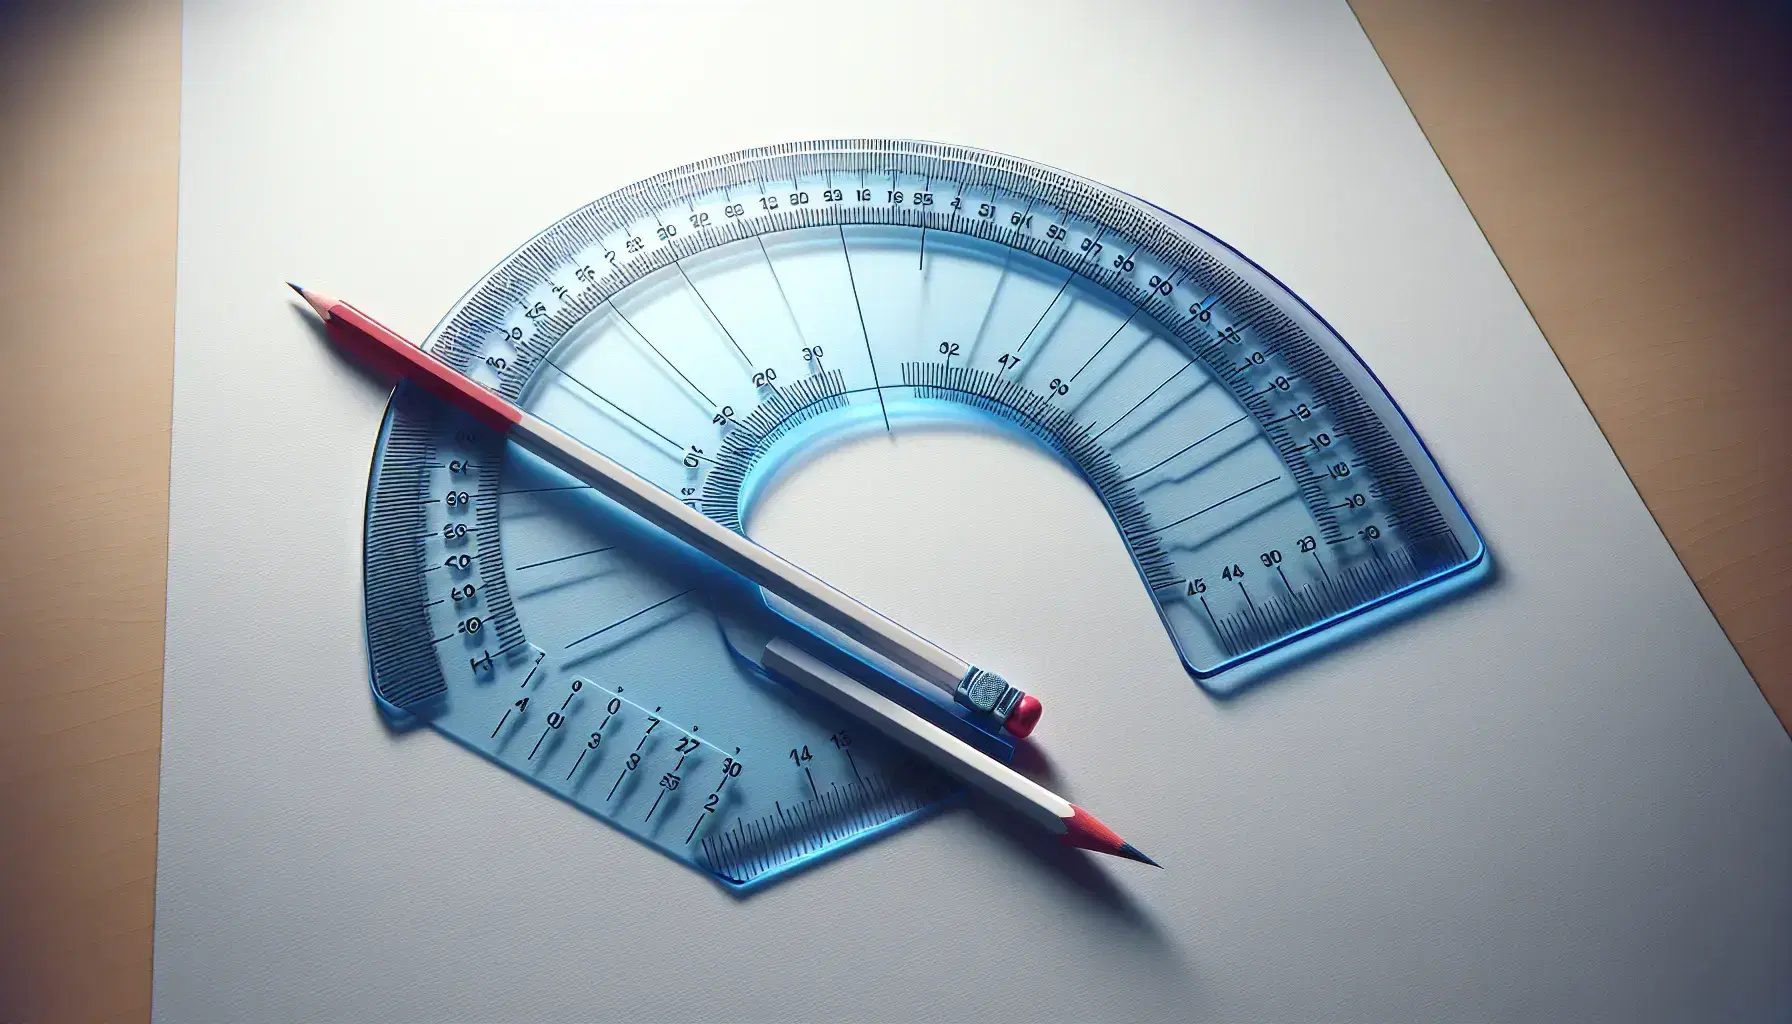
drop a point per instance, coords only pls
(799, 419)
(661, 343)
(963, 529)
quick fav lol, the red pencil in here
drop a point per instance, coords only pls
(386, 351)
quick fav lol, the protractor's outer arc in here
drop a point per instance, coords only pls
(1472, 569)
(459, 337)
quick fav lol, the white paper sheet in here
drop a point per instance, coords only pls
(1560, 796)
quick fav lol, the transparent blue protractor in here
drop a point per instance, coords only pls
(706, 325)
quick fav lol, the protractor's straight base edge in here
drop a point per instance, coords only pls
(1262, 667)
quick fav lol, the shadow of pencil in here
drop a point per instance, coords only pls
(1031, 760)
(1087, 876)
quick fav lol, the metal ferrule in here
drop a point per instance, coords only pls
(982, 690)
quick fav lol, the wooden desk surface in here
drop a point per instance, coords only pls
(1626, 160)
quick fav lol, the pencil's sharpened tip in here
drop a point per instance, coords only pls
(1131, 852)
(1085, 831)
(316, 300)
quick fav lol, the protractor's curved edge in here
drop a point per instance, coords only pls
(401, 687)
(1480, 551)
(405, 669)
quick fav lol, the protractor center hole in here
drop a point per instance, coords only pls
(973, 537)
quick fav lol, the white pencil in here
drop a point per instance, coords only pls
(1071, 824)
(385, 350)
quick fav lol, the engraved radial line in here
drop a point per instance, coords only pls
(1080, 260)
(1105, 344)
(1135, 312)
(862, 332)
(1142, 401)
(1213, 506)
(587, 389)
(1217, 432)
(656, 349)
(1045, 312)
(994, 293)
(712, 313)
(779, 282)
(921, 261)
(540, 490)
(625, 618)
(563, 558)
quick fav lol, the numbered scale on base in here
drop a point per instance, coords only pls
(704, 325)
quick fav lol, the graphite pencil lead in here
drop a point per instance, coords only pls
(1132, 852)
